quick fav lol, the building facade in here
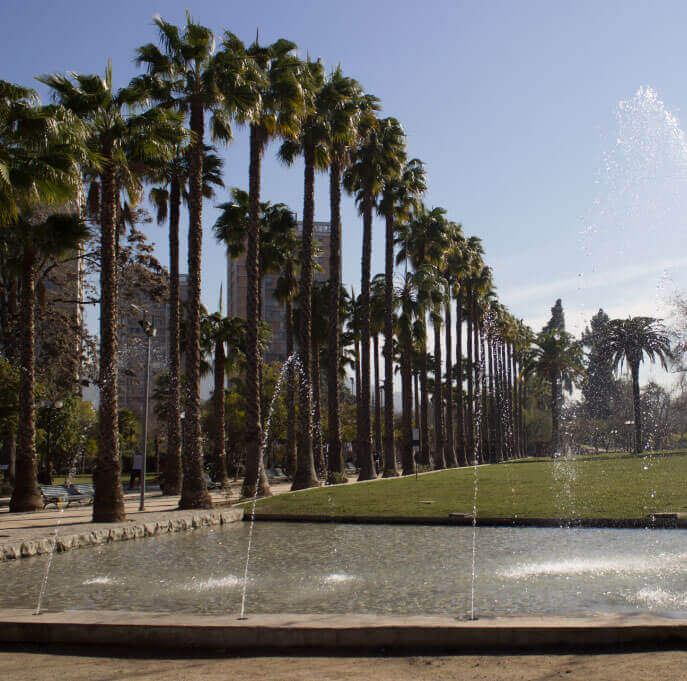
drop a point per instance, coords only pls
(272, 309)
(132, 353)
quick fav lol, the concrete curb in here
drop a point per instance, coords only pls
(181, 521)
(289, 633)
(663, 521)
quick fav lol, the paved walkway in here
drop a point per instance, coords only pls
(33, 529)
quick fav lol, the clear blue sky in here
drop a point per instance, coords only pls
(513, 107)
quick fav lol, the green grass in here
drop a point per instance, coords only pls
(595, 486)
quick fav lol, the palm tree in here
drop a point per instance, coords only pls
(558, 359)
(452, 269)
(400, 197)
(219, 334)
(312, 144)
(422, 242)
(126, 142)
(374, 163)
(628, 340)
(280, 103)
(345, 109)
(38, 163)
(35, 238)
(194, 81)
(377, 321)
(172, 180)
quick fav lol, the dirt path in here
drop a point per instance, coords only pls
(93, 664)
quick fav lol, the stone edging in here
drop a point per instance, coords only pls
(120, 532)
(663, 521)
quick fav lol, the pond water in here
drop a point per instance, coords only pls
(322, 568)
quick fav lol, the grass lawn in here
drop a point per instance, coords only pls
(594, 486)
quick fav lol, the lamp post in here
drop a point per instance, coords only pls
(150, 331)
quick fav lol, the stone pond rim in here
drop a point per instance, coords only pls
(289, 633)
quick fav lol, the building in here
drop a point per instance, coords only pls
(272, 309)
(132, 352)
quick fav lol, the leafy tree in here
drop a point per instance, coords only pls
(598, 385)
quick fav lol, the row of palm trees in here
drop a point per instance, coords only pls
(154, 131)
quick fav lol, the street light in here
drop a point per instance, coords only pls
(150, 331)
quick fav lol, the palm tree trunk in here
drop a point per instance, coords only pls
(172, 476)
(485, 410)
(108, 504)
(450, 442)
(439, 460)
(377, 401)
(335, 454)
(255, 480)
(358, 401)
(10, 442)
(367, 470)
(639, 444)
(26, 496)
(193, 490)
(462, 458)
(470, 426)
(318, 452)
(494, 449)
(407, 397)
(220, 454)
(477, 411)
(424, 407)
(416, 393)
(291, 462)
(514, 410)
(555, 411)
(305, 470)
(389, 446)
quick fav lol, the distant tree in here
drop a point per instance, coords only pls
(557, 321)
(598, 385)
(628, 341)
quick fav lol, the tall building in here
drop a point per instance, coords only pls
(272, 309)
(132, 352)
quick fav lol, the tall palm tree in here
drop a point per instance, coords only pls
(558, 359)
(312, 144)
(275, 80)
(171, 180)
(345, 109)
(195, 82)
(452, 269)
(376, 161)
(422, 242)
(126, 142)
(401, 195)
(35, 238)
(628, 340)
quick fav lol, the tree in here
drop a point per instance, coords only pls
(376, 161)
(219, 334)
(598, 385)
(37, 238)
(172, 180)
(628, 340)
(400, 197)
(126, 142)
(558, 359)
(279, 106)
(38, 165)
(195, 81)
(345, 109)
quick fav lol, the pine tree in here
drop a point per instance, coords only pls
(599, 386)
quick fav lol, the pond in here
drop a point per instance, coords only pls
(400, 570)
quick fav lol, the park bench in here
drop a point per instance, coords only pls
(54, 494)
(81, 492)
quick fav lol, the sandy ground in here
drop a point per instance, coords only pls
(22, 663)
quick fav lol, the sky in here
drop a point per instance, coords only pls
(552, 130)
